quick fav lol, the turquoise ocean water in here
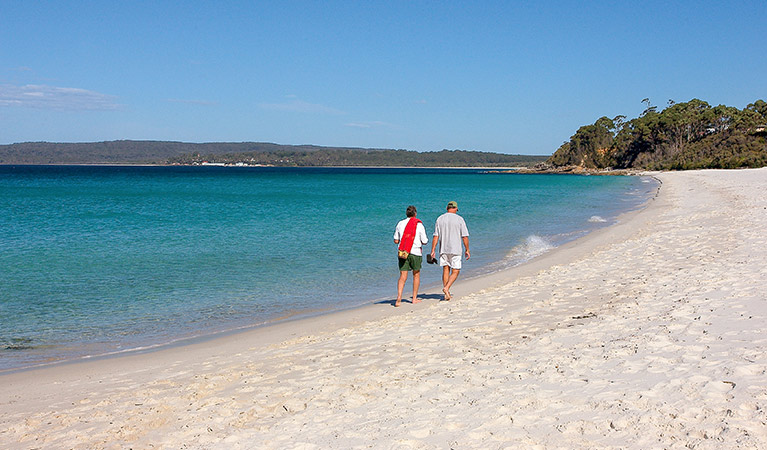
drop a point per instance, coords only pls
(102, 260)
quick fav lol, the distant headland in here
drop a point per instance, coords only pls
(248, 154)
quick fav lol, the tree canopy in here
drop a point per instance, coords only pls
(690, 135)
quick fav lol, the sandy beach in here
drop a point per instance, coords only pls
(651, 333)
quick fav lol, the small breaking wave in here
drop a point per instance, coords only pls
(532, 246)
(597, 219)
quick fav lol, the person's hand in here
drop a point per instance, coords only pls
(432, 255)
(468, 254)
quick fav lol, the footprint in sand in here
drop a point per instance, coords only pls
(420, 433)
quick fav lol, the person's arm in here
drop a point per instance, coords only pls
(396, 235)
(435, 238)
(465, 238)
(466, 244)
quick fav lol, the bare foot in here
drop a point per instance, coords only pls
(447, 294)
(416, 300)
(398, 303)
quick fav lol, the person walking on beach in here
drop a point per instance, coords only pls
(450, 231)
(410, 235)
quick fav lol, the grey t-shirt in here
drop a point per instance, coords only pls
(450, 228)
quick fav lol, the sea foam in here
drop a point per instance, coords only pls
(532, 246)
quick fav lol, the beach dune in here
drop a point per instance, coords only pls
(651, 333)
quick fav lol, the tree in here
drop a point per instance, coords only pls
(649, 108)
(589, 147)
(683, 136)
(759, 106)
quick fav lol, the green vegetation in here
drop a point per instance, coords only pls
(247, 153)
(363, 157)
(691, 135)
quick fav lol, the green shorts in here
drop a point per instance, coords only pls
(412, 262)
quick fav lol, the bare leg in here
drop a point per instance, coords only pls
(416, 284)
(445, 279)
(400, 286)
(453, 276)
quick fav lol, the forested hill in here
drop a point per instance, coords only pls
(246, 153)
(691, 135)
(319, 156)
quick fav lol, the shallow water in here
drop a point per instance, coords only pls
(95, 260)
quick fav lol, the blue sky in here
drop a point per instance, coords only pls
(509, 77)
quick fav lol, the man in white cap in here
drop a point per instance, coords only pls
(450, 231)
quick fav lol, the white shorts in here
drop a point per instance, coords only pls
(452, 261)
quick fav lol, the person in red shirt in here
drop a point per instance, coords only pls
(410, 235)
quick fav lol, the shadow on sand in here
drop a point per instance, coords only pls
(407, 300)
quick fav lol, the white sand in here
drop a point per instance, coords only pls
(650, 334)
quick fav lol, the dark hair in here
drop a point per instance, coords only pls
(410, 211)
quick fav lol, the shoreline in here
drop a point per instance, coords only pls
(491, 170)
(510, 168)
(643, 334)
(369, 310)
(48, 356)
(471, 280)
